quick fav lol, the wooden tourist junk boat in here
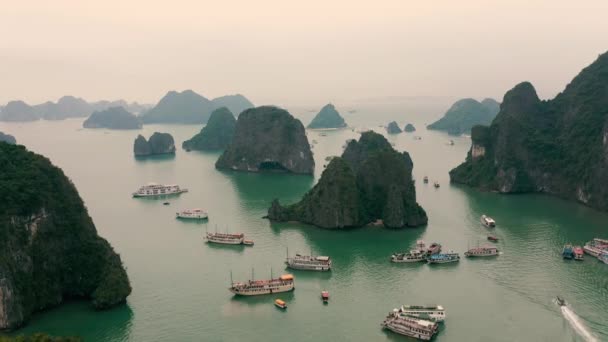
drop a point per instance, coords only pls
(308, 262)
(444, 258)
(409, 326)
(481, 252)
(415, 255)
(325, 296)
(579, 254)
(284, 283)
(154, 189)
(228, 239)
(433, 313)
(192, 214)
(596, 247)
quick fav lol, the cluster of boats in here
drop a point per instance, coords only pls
(434, 255)
(420, 322)
(162, 190)
(426, 181)
(597, 248)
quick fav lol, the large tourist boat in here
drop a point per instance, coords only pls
(433, 313)
(154, 189)
(411, 256)
(228, 239)
(192, 214)
(481, 252)
(596, 247)
(443, 258)
(283, 283)
(308, 262)
(408, 326)
(488, 221)
(567, 251)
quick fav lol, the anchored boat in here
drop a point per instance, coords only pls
(228, 239)
(433, 313)
(488, 221)
(408, 326)
(434, 248)
(578, 253)
(436, 184)
(283, 283)
(596, 247)
(154, 189)
(567, 251)
(279, 303)
(444, 258)
(481, 252)
(308, 262)
(325, 296)
(411, 256)
(425, 180)
(192, 214)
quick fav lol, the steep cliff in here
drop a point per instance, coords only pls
(268, 139)
(159, 143)
(216, 135)
(369, 182)
(559, 147)
(49, 247)
(393, 128)
(186, 107)
(328, 117)
(464, 114)
(112, 118)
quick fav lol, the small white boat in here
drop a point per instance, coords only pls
(192, 214)
(481, 252)
(408, 326)
(488, 221)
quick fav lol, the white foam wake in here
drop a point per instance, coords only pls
(577, 324)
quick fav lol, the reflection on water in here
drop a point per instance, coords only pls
(165, 157)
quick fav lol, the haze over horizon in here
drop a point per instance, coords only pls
(278, 52)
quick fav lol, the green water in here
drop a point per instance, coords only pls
(180, 283)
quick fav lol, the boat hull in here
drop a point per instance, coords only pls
(319, 268)
(226, 242)
(406, 332)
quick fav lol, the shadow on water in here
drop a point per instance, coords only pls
(156, 158)
(78, 318)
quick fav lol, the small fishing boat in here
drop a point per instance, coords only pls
(488, 221)
(425, 180)
(166, 203)
(436, 185)
(567, 251)
(578, 253)
(451, 143)
(308, 262)
(434, 248)
(492, 238)
(420, 245)
(228, 239)
(279, 303)
(322, 134)
(560, 301)
(481, 252)
(444, 258)
(325, 296)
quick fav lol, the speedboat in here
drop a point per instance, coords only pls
(325, 296)
(488, 221)
(492, 238)
(279, 303)
(560, 301)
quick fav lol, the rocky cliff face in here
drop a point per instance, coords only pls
(7, 138)
(268, 139)
(159, 143)
(393, 128)
(557, 147)
(409, 128)
(49, 247)
(328, 117)
(113, 118)
(216, 135)
(369, 182)
(466, 113)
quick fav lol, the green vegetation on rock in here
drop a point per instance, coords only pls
(328, 117)
(393, 128)
(216, 135)
(112, 118)
(268, 139)
(464, 114)
(159, 143)
(7, 138)
(49, 247)
(558, 147)
(369, 182)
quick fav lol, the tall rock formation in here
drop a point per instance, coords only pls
(49, 247)
(112, 118)
(159, 143)
(186, 107)
(18, 111)
(268, 139)
(328, 117)
(369, 182)
(235, 103)
(558, 147)
(393, 128)
(466, 113)
(216, 135)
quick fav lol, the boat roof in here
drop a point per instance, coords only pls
(279, 301)
(323, 258)
(286, 277)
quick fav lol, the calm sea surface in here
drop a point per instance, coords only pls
(180, 283)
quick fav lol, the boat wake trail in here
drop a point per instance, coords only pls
(577, 324)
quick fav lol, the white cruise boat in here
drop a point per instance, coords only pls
(226, 239)
(412, 327)
(433, 313)
(192, 214)
(283, 283)
(596, 247)
(309, 263)
(154, 189)
(482, 252)
(412, 256)
(488, 221)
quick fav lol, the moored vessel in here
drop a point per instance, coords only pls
(425, 180)
(279, 303)
(408, 326)
(411, 256)
(226, 239)
(481, 252)
(488, 221)
(192, 214)
(596, 247)
(283, 283)
(434, 248)
(309, 262)
(567, 251)
(154, 189)
(433, 313)
(578, 253)
(444, 258)
(325, 296)
(436, 184)
(492, 238)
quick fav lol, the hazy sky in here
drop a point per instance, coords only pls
(297, 52)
